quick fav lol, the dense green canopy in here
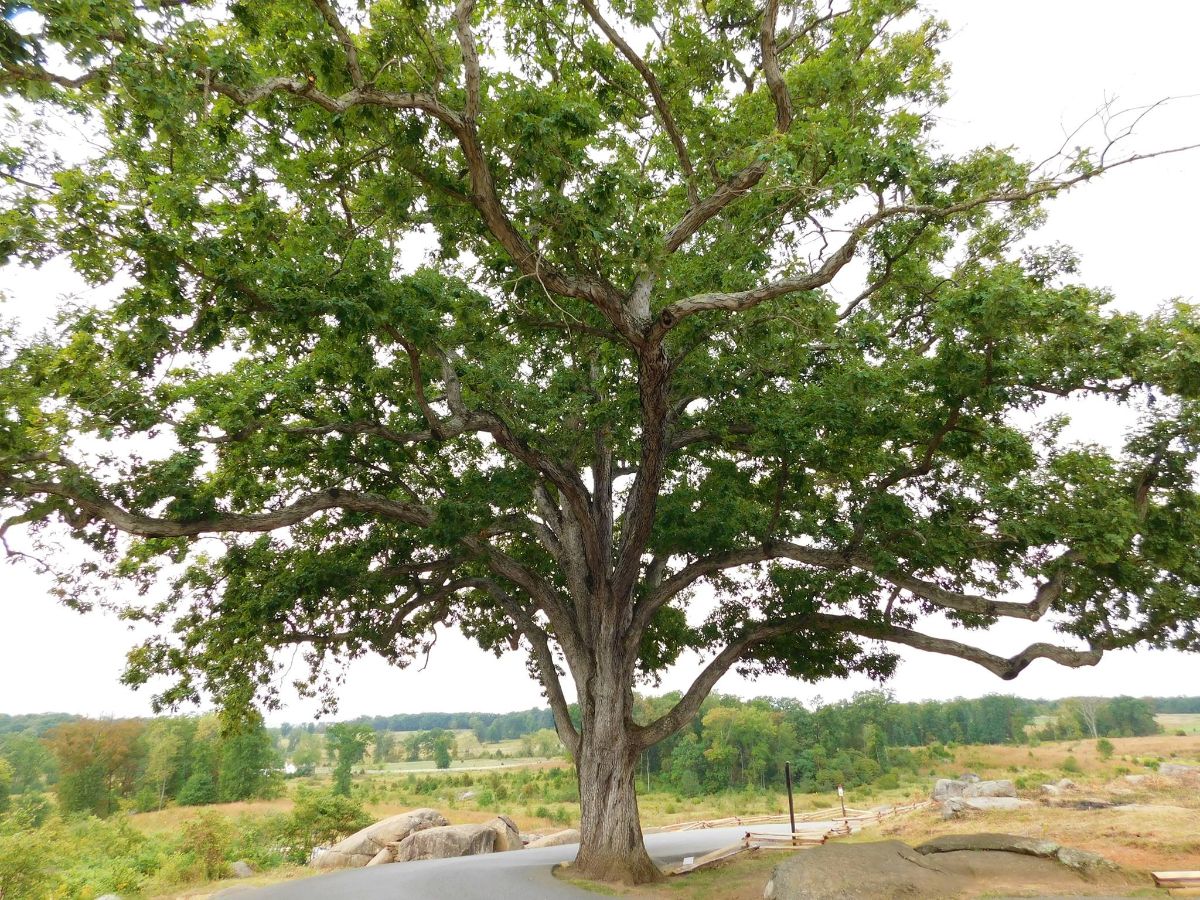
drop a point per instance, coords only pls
(534, 317)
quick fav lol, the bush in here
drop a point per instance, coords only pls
(206, 839)
(1105, 748)
(199, 790)
(888, 781)
(319, 820)
(1071, 765)
(25, 872)
(28, 811)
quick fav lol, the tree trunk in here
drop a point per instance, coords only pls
(611, 846)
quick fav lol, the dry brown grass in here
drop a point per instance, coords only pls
(1160, 830)
(173, 817)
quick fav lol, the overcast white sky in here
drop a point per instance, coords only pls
(1023, 71)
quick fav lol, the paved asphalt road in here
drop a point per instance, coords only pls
(516, 875)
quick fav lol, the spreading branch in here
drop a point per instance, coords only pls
(660, 102)
(771, 71)
(92, 507)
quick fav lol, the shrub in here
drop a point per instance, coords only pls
(199, 790)
(25, 872)
(888, 781)
(206, 839)
(319, 819)
(29, 811)
(1071, 765)
(1105, 748)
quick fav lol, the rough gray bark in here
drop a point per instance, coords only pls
(611, 846)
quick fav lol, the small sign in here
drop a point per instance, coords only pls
(689, 860)
(841, 791)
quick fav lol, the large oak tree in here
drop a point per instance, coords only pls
(542, 319)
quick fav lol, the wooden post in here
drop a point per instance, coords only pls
(787, 774)
(842, 798)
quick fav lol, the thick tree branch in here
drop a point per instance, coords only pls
(736, 301)
(92, 507)
(637, 521)
(771, 71)
(348, 46)
(689, 704)
(306, 89)
(539, 641)
(660, 102)
(705, 210)
(833, 560)
(14, 73)
(1007, 667)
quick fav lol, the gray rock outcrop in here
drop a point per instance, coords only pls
(956, 807)
(241, 869)
(1080, 860)
(364, 846)
(887, 870)
(447, 841)
(1176, 770)
(569, 836)
(945, 788)
(953, 866)
(508, 836)
(1001, 788)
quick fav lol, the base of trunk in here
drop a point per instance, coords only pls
(624, 868)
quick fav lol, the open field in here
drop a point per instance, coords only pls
(1188, 723)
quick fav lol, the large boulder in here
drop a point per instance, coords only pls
(1007, 843)
(241, 869)
(883, 870)
(1002, 788)
(569, 836)
(955, 866)
(363, 846)
(508, 836)
(945, 788)
(1080, 860)
(446, 841)
(1176, 770)
(986, 804)
(384, 856)
(957, 807)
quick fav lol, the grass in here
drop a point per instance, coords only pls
(740, 879)
(1188, 723)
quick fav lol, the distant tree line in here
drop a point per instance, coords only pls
(488, 727)
(1177, 705)
(734, 743)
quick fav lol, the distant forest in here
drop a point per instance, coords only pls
(98, 766)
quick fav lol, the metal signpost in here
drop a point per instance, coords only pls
(787, 774)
